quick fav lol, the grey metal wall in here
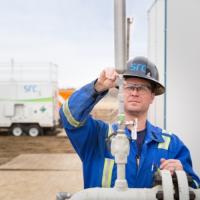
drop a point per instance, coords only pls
(183, 68)
(156, 54)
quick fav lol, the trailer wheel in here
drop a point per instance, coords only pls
(34, 131)
(16, 130)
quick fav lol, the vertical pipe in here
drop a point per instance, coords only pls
(121, 171)
(120, 35)
(120, 144)
(120, 51)
(165, 65)
(129, 22)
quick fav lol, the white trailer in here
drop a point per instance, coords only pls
(173, 44)
(28, 98)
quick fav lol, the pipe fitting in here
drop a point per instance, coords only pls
(120, 148)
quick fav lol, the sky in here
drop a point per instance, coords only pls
(76, 35)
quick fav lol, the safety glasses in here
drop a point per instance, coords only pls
(140, 88)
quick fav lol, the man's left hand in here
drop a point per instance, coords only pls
(171, 165)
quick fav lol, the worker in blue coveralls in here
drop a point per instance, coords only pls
(154, 148)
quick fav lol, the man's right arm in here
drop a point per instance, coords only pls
(84, 132)
(81, 102)
(75, 111)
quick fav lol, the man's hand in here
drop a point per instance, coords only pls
(171, 165)
(106, 80)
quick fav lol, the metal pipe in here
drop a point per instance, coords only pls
(113, 194)
(120, 144)
(120, 150)
(183, 187)
(121, 171)
(120, 35)
(164, 191)
(167, 184)
(129, 22)
(63, 196)
(121, 115)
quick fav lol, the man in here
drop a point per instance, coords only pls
(154, 148)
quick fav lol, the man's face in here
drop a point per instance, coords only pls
(137, 96)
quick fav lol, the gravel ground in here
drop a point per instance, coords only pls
(11, 146)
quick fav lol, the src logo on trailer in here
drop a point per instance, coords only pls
(30, 88)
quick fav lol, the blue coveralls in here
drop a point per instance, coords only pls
(88, 137)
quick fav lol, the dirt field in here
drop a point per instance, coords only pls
(38, 168)
(11, 146)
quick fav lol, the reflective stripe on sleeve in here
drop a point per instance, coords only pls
(107, 172)
(69, 116)
(165, 144)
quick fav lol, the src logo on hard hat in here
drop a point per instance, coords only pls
(141, 67)
(138, 67)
